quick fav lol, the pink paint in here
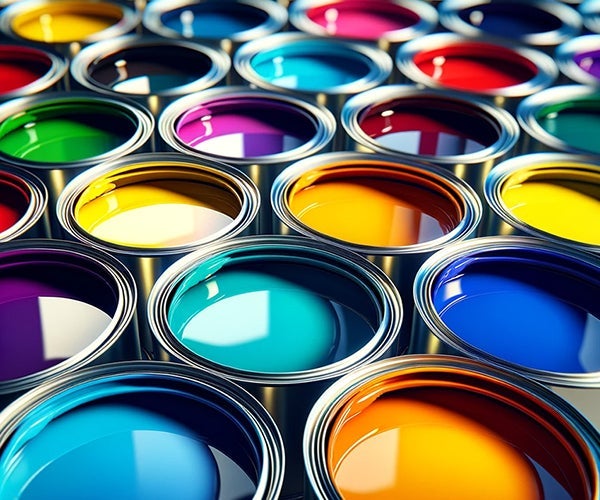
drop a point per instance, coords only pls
(359, 19)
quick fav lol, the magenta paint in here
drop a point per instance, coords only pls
(589, 61)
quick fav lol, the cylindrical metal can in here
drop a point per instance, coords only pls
(563, 118)
(523, 303)
(387, 23)
(63, 306)
(290, 62)
(590, 15)
(579, 59)
(153, 71)
(283, 316)
(257, 131)
(540, 23)
(23, 205)
(424, 427)
(500, 71)
(150, 209)
(466, 135)
(28, 70)
(60, 134)
(553, 196)
(67, 25)
(139, 430)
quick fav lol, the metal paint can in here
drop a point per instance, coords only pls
(256, 131)
(64, 307)
(151, 70)
(500, 71)
(425, 427)
(579, 59)
(60, 134)
(553, 196)
(522, 303)
(564, 118)
(283, 316)
(150, 209)
(590, 14)
(140, 430)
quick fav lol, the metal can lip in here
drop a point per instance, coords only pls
(590, 13)
(326, 164)
(552, 101)
(275, 17)
(555, 256)
(555, 167)
(348, 265)
(300, 113)
(50, 104)
(564, 21)
(421, 17)
(100, 54)
(75, 389)
(297, 44)
(157, 166)
(126, 20)
(494, 386)
(540, 68)
(33, 191)
(57, 67)
(499, 121)
(108, 269)
(570, 58)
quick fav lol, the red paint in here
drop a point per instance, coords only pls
(475, 66)
(14, 200)
(360, 19)
(21, 66)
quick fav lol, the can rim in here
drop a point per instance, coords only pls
(590, 13)
(565, 53)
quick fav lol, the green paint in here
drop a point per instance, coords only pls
(59, 133)
(576, 122)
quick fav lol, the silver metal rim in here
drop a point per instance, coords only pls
(590, 13)
(348, 264)
(236, 180)
(564, 58)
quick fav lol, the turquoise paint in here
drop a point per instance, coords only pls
(271, 317)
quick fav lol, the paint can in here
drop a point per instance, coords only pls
(540, 23)
(283, 316)
(563, 118)
(227, 23)
(579, 60)
(388, 23)
(518, 302)
(139, 430)
(150, 209)
(289, 62)
(67, 25)
(590, 14)
(30, 70)
(256, 131)
(464, 134)
(64, 306)
(394, 212)
(60, 134)
(23, 205)
(553, 196)
(500, 71)
(425, 427)
(151, 70)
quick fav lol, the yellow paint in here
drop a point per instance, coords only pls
(365, 206)
(560, 201)
(155, 213)
(65, 22)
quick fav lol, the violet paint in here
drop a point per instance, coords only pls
(589, 61)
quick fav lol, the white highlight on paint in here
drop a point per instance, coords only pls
(187, 22)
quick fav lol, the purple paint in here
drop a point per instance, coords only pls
(243, 127)
(52, 305)
(589, 61)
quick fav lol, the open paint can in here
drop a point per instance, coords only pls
(522, 303)
(283, 316)
(590, 15)
(63, 306)
(139, 430)
(424, 427)
(579, 59)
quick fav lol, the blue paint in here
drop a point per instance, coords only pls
(311, 66)
(528, 308)
(270, 316)
(214, 20)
